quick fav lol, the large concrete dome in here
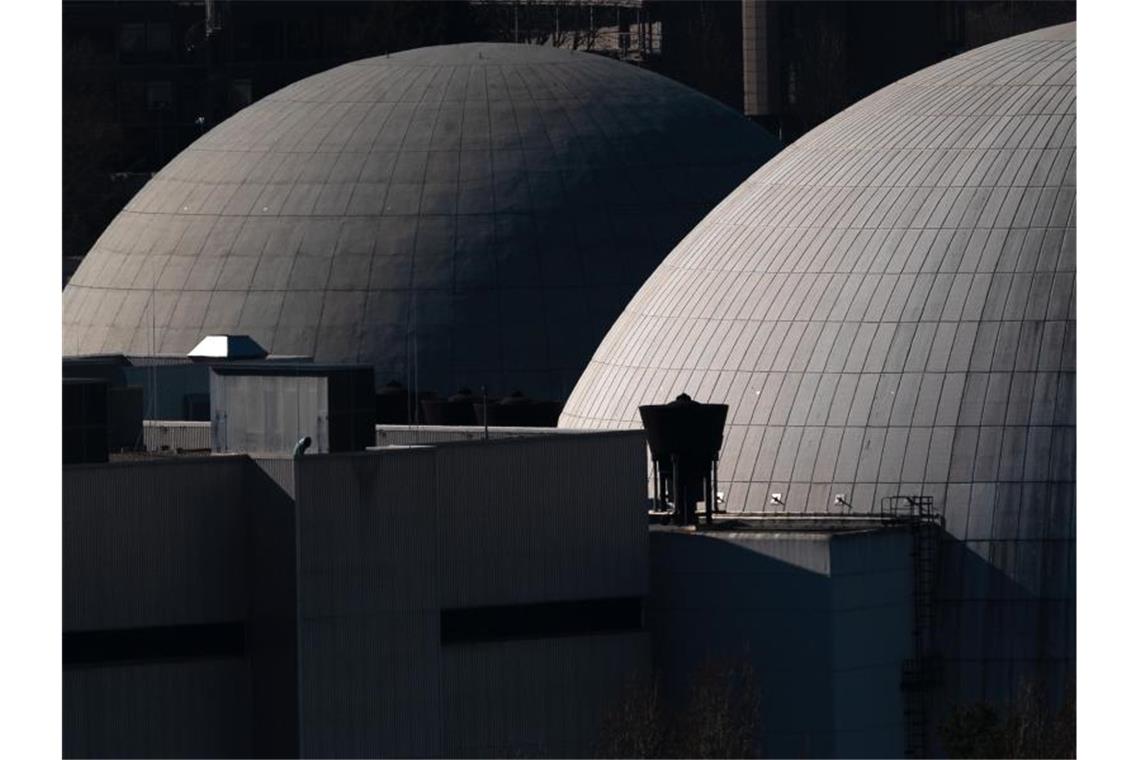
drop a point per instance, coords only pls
(465, 214)
(888, 308)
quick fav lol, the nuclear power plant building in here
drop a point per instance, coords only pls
(814, 491)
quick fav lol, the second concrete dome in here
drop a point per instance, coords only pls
(456, 215)
(888, 308)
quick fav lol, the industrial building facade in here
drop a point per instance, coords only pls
(489, 597)
(884, 316)
(471, 599)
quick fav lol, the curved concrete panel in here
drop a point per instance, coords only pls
(456, 215)
(888, 307)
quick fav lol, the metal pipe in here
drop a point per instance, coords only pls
(678, 507)
(486, 432)
(302, 446)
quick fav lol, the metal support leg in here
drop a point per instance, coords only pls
(678, 504)
(656, 502)
(715, 491)
(710, 494)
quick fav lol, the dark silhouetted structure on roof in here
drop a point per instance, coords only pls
(684, 438)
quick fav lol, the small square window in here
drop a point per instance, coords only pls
(132, 38)
(241, 93)
(159, 95)
(158, 37)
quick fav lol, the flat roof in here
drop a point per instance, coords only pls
(291, 368)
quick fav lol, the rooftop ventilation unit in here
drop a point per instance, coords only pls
(233, 347)
(517, 410)
(396, 405)
(684, 442)
(458, 409)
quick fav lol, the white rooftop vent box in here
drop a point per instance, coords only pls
(227, 347)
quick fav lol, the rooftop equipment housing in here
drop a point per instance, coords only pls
(267, 407)
(517, 410)
(458, 409)
(684, 439)
(124, 401)
(397, 405)
(108, 367)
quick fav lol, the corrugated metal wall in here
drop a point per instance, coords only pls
(271, 630)
(542, 698)
(557, 517)
(402, 435)
(389, 538)
(176, 435)
(368, 574)
(168, 709)
(178, 542)
(278, 468)
(383, 541)
(158, 542)
(266, 413)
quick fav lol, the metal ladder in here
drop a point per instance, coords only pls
(920, 673)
